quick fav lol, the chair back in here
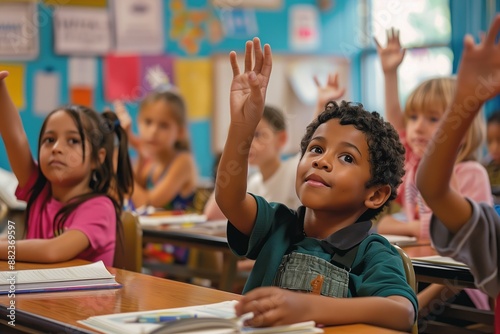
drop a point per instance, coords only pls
(410, 278)
(128, 250)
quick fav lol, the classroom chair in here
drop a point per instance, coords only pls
(128, 253)
(410, 278)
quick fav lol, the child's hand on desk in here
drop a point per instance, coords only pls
(273, 306)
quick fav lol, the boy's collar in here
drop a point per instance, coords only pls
(345, 238)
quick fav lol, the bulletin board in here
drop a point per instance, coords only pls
(291, 88)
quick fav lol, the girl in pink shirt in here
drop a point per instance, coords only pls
(73, 193)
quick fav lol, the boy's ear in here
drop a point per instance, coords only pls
(282, 138)
(377, 196)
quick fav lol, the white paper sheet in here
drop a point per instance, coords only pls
(47, 87)
(81, 30)
(139, 26)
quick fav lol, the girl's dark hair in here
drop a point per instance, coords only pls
(100, 131)
(178, 109)
(386, 151)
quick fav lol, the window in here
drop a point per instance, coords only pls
(425, 31)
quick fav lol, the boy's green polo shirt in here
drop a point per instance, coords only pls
(377, 269)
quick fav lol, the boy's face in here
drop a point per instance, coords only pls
(266, 144)
(420, 127)
(493, 139)
(334, 170)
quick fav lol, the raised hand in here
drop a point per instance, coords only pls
(3, 75)
(331, 91)
(248, 89)
(392, 55)
(123, 115)
(478, 76)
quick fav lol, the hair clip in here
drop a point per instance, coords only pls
(116, 124)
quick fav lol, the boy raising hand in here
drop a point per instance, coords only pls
(351, 164)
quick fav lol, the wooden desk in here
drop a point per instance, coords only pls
(436, 273)
(198, 237)
(58, 312)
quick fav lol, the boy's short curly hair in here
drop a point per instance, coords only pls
(385, 148)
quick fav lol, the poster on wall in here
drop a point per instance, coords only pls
(304, 27)
(139, 26)
(82, 78)
(81, 31)
(18, 31)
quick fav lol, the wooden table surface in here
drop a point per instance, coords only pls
(59, 311)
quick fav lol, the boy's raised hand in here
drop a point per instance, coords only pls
(248, 89)
(392, 55)
(478, 76)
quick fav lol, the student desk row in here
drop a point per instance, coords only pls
(58, 312)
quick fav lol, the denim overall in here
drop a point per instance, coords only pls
(311, 274)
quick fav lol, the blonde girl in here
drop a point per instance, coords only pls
(73, 193)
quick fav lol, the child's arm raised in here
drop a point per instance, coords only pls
(247, 98)
(478, 80)
(391, 57)
(14, 136)
(330, 92)
(126, 124)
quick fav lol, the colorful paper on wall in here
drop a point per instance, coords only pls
(15, 83)
(156, 71)
(121, 78)
(47, 87)
(81, 30)
(82, 72)
(194, 80)
(81, 95)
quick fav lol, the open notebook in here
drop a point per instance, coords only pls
(85, 277)
(209, 318)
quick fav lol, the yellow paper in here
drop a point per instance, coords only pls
(194, 80)
(15, 83)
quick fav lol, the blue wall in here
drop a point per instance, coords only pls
(338, 28)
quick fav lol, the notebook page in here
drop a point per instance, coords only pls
(89, 271)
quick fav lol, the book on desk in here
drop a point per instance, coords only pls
(91, 276)
(209, 318)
